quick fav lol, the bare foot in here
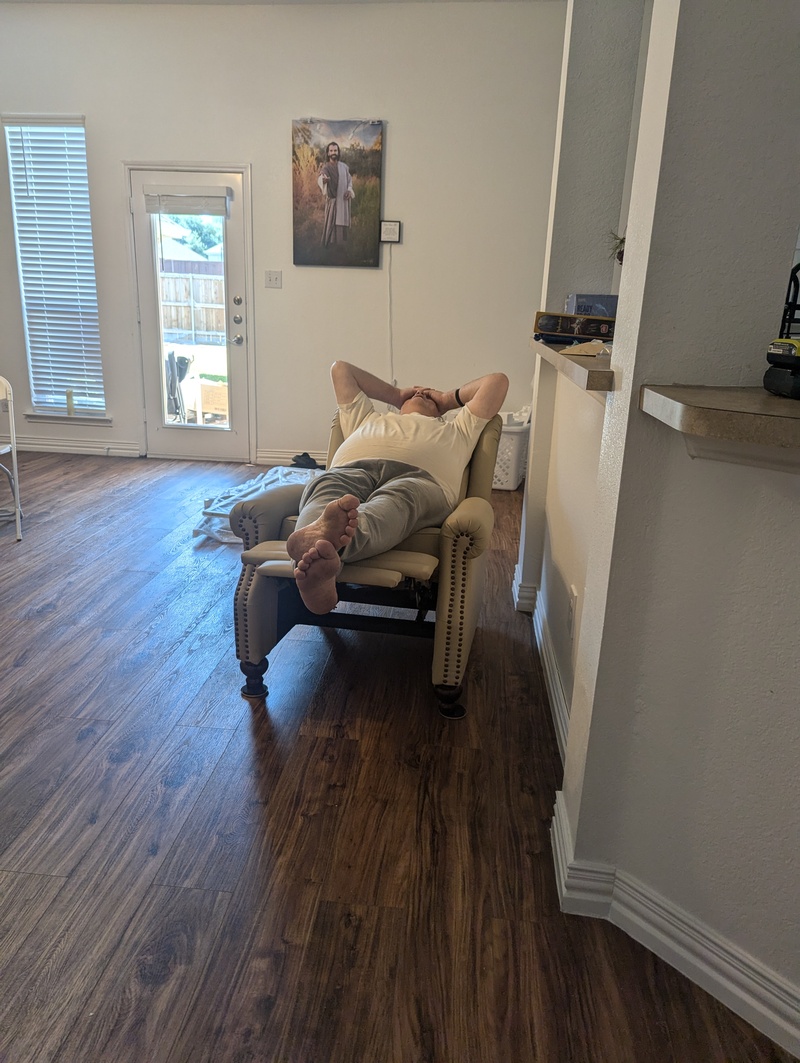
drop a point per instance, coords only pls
(336, 525)
(315, 575)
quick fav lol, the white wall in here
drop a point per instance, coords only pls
(570, 530)
(596, 107)
(681, 767)
(468, 93)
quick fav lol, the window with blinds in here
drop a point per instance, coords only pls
(53, 231)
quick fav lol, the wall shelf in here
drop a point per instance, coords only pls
(743, 425)
(593, 374)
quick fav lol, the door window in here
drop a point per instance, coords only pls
(192, 281)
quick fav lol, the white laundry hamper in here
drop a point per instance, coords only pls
(512, 454)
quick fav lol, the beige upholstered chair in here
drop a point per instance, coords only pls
(436, 569)
(15, 512)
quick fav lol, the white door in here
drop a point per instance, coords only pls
(193, 282)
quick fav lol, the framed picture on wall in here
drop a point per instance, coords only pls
(336, 191)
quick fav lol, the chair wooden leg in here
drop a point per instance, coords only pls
(448, 698)
(255, 688)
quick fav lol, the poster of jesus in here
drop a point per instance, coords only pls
(336, 188)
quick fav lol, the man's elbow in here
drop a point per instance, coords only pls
(499, 389)
(491, 395)
(343, 378)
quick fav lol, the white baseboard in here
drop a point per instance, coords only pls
(120, 448)
(552, 678)
(284, 457)
(524, 594)
(722, 968)
(584, 888)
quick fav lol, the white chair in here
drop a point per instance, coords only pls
(7, 396)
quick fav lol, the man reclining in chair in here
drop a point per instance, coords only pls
(394, 473)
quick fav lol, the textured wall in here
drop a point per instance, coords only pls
(597, 108)
(469, 94)
(570, 531)
(681, 764)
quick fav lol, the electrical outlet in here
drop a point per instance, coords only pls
(273, 278)
(572, 611)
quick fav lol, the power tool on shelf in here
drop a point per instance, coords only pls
(783, 354)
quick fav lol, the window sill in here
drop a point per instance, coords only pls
(55, 417)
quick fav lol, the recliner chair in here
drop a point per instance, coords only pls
(435, 569)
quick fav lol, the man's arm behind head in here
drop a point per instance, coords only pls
(484, 396)
(348, 380)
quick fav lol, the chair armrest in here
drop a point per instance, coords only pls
(472, 518)
(484, 458)
(256, 520)
(463, 558)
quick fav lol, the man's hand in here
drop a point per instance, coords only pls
(404, 394)
(444, 399)
(484, 395)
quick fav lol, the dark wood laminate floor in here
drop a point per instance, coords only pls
(343, 878)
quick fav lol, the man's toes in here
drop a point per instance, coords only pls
(324, 550)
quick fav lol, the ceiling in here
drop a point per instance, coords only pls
(240, 3)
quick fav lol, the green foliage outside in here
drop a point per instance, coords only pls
(202, 232)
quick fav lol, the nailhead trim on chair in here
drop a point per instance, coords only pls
(247, 531)
(453, 670)
(240, 627)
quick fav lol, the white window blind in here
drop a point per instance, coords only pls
(53, 230)
(172, 200)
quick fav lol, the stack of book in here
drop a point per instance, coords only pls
(556, 328)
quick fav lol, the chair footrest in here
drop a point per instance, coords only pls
(384, 570)
(271, 550)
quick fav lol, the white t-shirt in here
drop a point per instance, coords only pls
(441, 447)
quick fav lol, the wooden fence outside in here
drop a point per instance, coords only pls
(193, 308)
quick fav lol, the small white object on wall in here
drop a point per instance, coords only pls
(390, 232)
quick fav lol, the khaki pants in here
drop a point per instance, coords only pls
(395, 500)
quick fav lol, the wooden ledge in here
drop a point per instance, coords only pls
(593, 374)
(747, 426)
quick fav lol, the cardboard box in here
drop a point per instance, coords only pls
(594, 305)
(214, 399)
